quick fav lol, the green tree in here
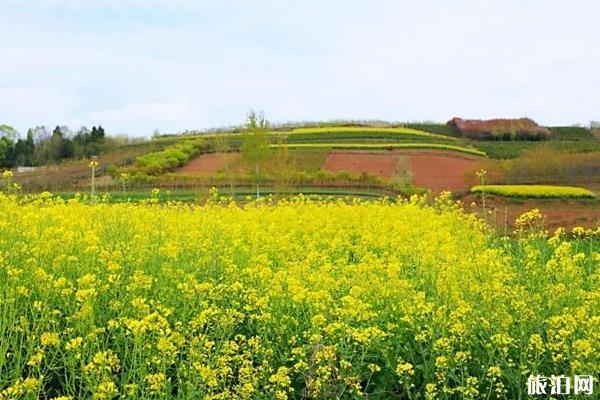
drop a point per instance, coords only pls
(97, 134)
(29, 147)
(6, 152)
(8, 132)
(61, 147)
(20, 153)
(221, 144)
(81, 142)
(255, 147)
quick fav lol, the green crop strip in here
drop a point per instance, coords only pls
(535, 191)
(383, 146)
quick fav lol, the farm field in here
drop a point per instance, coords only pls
(295, 299)
(357, 162)
(444, 171)
(207, 164)
(435, 170)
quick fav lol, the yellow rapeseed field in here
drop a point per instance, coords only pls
(299, 299)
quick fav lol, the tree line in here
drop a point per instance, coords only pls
(41, 147)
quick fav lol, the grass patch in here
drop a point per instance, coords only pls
(535, 191)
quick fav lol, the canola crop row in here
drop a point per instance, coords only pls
(535, 191)
(369, 130)
(300, 299)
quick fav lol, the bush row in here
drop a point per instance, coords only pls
(166, 160)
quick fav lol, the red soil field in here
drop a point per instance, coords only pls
(441, 171)
(379, 163)
(431, 169)
(559, 213)
(207, 164)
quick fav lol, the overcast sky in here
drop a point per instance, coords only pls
(138, 65)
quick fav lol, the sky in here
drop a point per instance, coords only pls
(136, 66)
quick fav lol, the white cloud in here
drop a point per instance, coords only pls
(25, 107)
(138, 65)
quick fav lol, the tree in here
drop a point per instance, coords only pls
(8, 134)
(40, 133)
(7, 131)
(255, 148)
(61, 147)
(23, 153)
(20, 153)
(98, 134)
(222, 144)
(81, 142)
(284, 164)
(6, 152)
(29, 146)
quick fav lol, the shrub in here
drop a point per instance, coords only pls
(500, 129)
(174, 156)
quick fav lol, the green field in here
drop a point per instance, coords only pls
(238, 193)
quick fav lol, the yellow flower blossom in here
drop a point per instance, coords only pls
(50, 339)
(305, 297)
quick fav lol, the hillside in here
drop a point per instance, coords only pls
(341, 158)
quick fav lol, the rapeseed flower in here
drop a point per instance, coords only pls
(282, 300)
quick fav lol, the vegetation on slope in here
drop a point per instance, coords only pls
(166, 153)
(548, 165)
